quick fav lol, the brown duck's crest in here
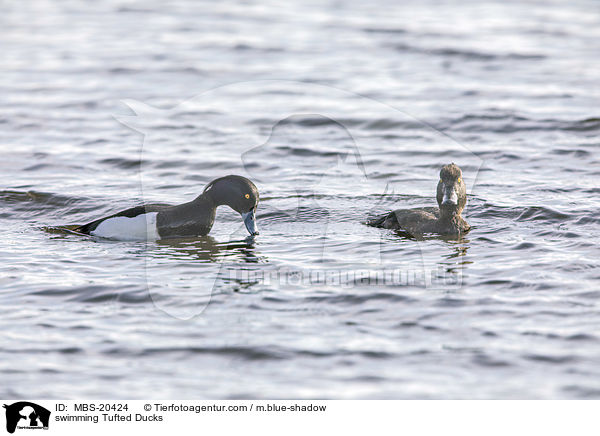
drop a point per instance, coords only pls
(450, 171)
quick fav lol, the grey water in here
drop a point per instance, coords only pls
(338, 111)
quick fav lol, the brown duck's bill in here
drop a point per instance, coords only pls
(450, 197)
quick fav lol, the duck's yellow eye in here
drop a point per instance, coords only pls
(247, 195)
(459, 180)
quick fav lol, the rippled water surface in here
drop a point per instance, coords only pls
(338, 111)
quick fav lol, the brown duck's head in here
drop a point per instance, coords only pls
(451, 191)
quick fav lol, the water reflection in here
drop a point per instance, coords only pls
(459, 248)
(206, 249)
(455, 263)
(441, 259)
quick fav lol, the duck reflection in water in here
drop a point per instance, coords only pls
(206, 248)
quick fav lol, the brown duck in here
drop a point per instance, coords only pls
(443, 220)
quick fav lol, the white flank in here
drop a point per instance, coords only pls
(141, 227)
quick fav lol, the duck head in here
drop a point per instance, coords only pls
(238, 193)
(451, 191)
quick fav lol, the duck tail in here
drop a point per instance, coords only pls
(377, 221)
(74, 228)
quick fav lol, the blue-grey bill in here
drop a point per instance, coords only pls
(450, 197)
(250, 222)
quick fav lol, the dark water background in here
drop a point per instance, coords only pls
(328, 106)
